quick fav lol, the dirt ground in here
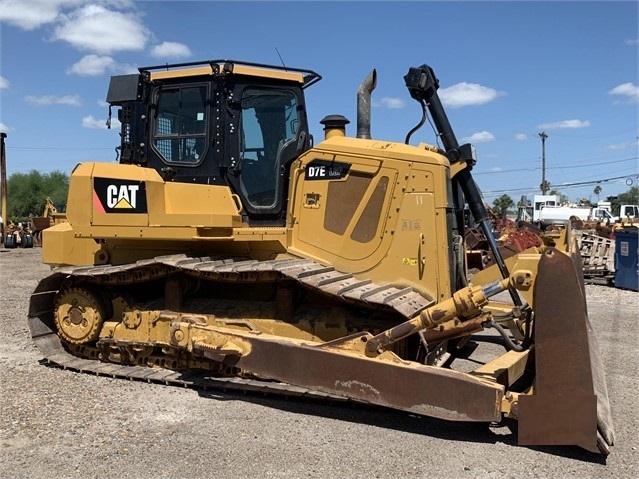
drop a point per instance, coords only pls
(60, 424)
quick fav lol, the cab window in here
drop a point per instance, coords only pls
(179, 134)
(269, 121)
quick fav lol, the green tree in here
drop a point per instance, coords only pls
(501, 205)
(26, 193)
(560, 196)
(597, 191)
(630, 197)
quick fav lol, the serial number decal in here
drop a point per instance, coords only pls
(410, 224)
(326, 170)
(119, 196)
(409, 261)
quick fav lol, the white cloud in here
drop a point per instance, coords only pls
(521, 137)
(479, 137)
(170, 50)
(629, 90)
(622, 146)
(495, 169)
(32, 14)
(125, 68)
(92, 65)
(43, 100)
(104, 31)
(4, 128)
(93, 123)
(464, 94)
(99, 124)
(634, 41)
(96, 65)
(389, 102)
(4, 83)
(564, 124)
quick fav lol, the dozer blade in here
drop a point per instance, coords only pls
(394, 383)
(570, 403)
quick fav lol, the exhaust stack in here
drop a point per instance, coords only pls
(364, 105)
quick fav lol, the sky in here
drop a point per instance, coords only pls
(508, 71)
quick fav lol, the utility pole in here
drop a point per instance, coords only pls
(543, 137)
(3, 176)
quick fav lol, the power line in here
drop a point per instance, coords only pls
(587, 165)
(564, 185)
(594, 182)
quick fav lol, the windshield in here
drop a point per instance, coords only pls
(269, 120)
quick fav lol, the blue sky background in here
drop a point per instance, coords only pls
(507, 71)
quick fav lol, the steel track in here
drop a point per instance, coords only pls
(330, 282)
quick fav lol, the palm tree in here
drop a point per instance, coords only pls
(502, 204)
(597, 191)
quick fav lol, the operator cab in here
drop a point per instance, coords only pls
(219, 122)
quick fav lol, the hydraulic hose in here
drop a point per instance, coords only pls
(504, 334)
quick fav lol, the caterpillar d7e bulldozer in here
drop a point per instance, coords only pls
(228, 249)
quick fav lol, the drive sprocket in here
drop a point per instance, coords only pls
(79, 314)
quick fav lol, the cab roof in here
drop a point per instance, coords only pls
(230, 67)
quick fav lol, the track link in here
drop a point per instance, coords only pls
(340, 285)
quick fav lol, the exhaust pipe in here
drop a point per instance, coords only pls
(364, 105)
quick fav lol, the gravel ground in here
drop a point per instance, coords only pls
(60, 424)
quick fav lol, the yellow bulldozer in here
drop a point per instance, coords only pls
(227, 248)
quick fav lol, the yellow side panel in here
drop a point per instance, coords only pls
(386, 219)
(419, 252)
(166, 204)
(185, 204)
(80, 196)
(60, 246)
(317, 229)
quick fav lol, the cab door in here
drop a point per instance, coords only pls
(267, 133)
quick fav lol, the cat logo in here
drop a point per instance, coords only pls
(119, 196)
(124, 196)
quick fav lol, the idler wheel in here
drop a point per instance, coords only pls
(79, 315)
